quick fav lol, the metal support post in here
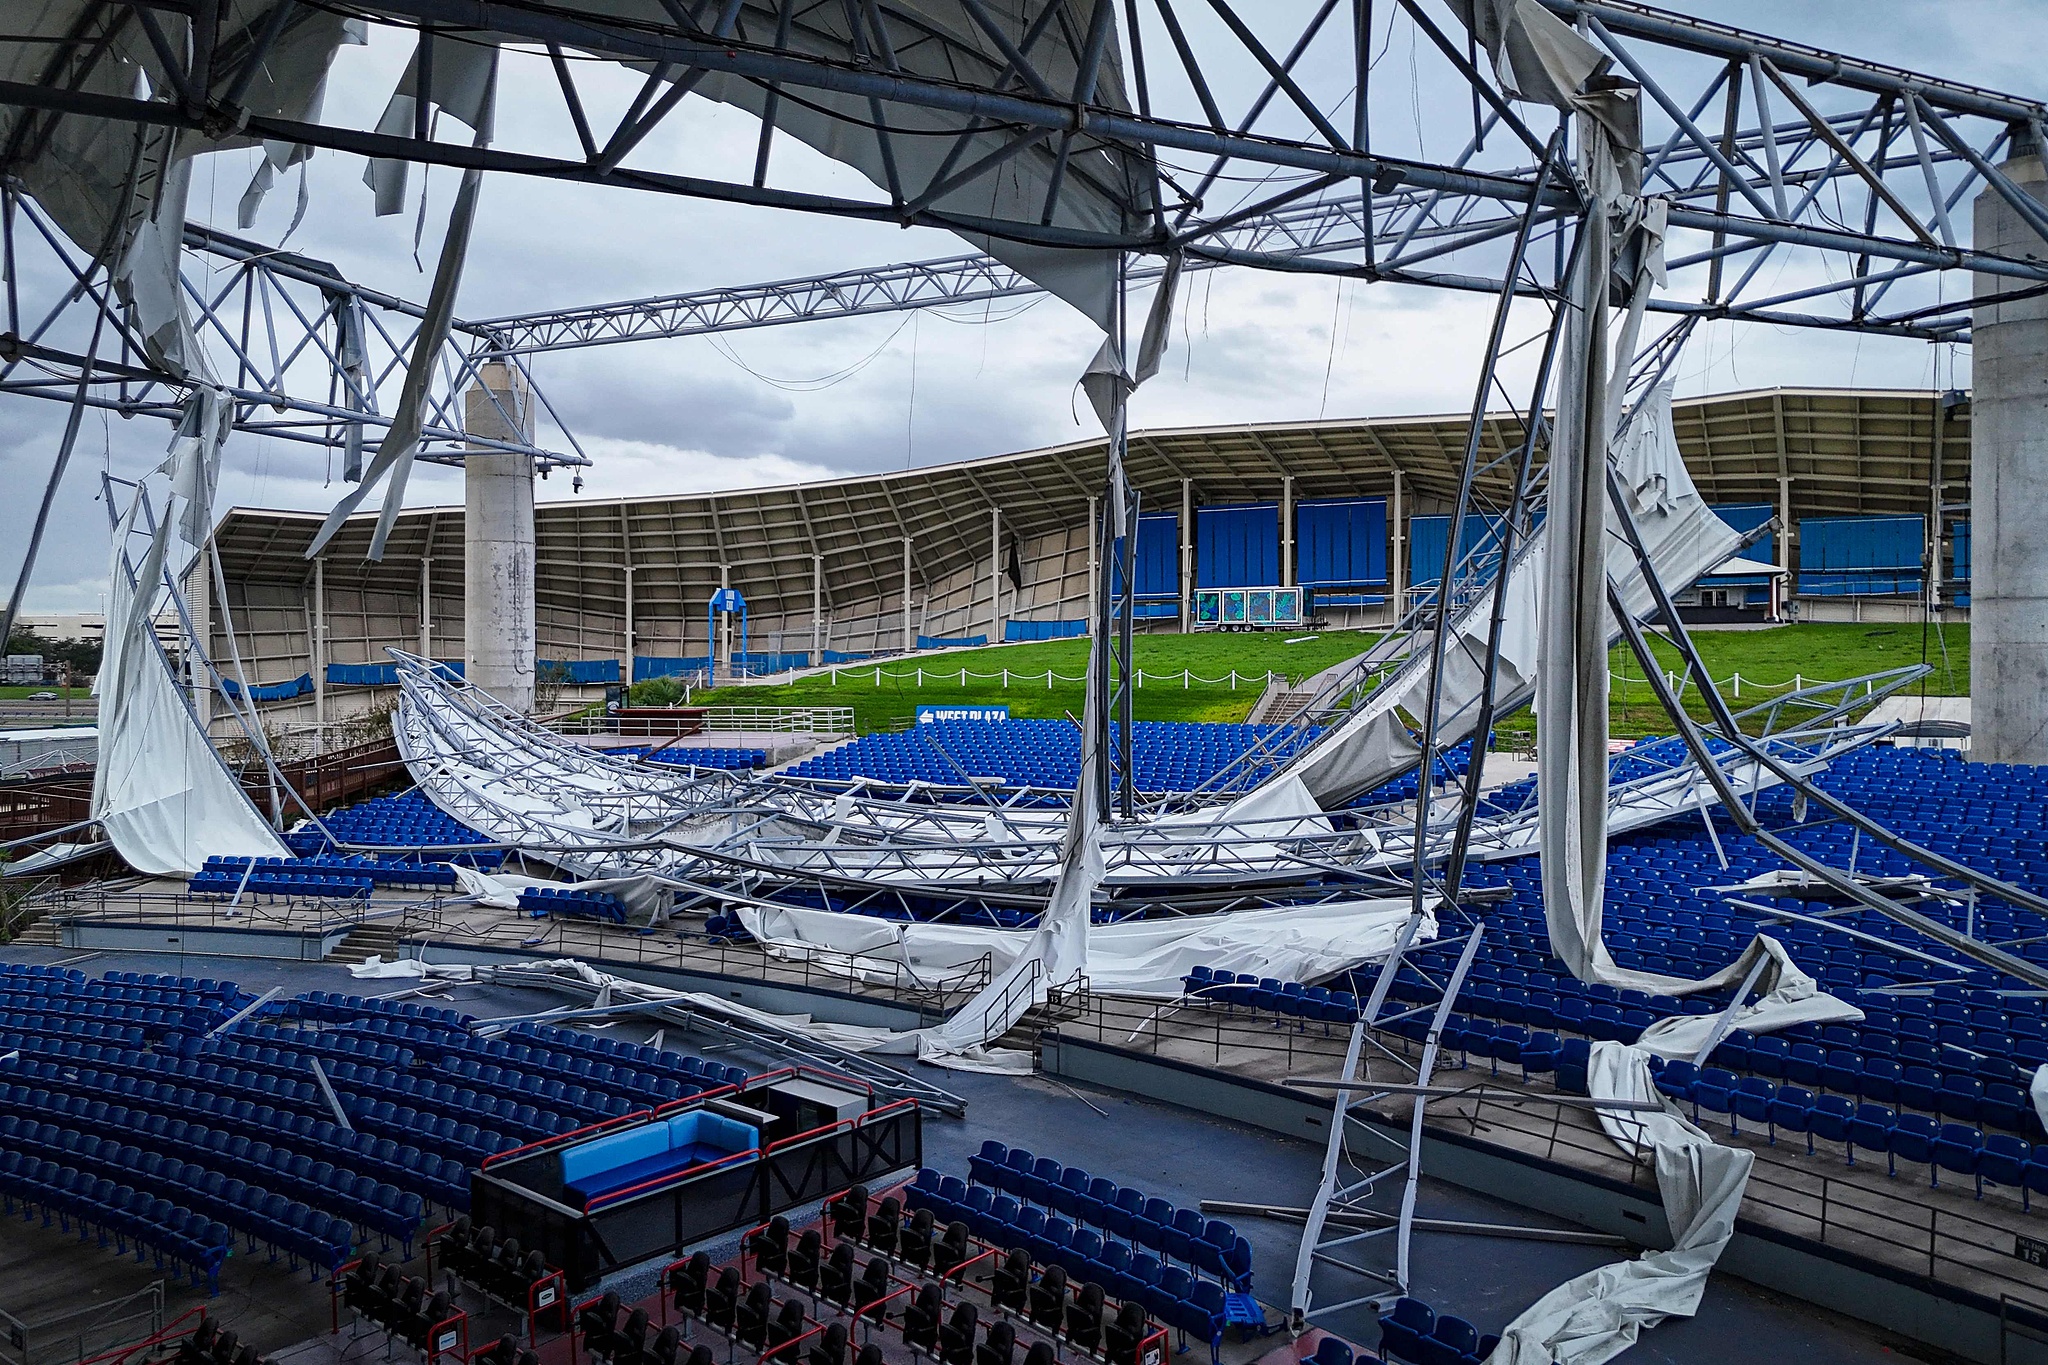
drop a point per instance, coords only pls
(909, 640)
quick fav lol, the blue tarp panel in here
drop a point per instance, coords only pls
(836, 656)
(1959, 552)
(770, 663)
(1341, 543)
(1426, 545)
(646, 667)
(379, 675)
(1344, 599)
(1159, 554)
(1237, 545)
(1043, 630)
(1745, 517)
(1155, 611)
(584, 672)
(958, 642)
(300, 686)
(1860, 556)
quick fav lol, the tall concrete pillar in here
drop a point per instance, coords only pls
(497, 552)
(2008, 470)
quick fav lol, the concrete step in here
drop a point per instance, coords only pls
(40, 934)
(365, 942)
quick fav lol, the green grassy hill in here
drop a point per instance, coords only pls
(1188, 677)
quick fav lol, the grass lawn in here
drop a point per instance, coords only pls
(1768, 661)
(13, 693)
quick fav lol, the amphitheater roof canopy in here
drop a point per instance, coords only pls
(1845, 451)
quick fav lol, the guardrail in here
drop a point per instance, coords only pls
(1888, 1224)
(779, 720)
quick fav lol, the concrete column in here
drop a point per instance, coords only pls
(995, 575)
(1397, 557)
(2008, 470)
(909, 635)
(626, 563)
(1287, 530)
(1187, 554)
(499, 641)
(426, 606)
(1094, 557)
(1935, 479)
(320, 638)
(817, 610)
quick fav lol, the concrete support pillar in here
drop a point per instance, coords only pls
(909, 636)
(1187, 554)
(626, 564)
(2008, 470)
(995, 575)
(1287, 530)
(498, 556)
(817, 610)
(1935, 479)
(1094, 557)
(426, 606)
(1397, 554)
(319, 641)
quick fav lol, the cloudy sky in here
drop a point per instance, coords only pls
(747, 409)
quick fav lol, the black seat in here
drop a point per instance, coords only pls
(381, 1300)
(804, 1258)
(951, 1249)
(1012, 1281)
(921, 1319)
(199, 1346)
(665, 1348)
(502, 1271)
(701, 1355)
(850, 1213)
(527, 1358)
(599, 1324)
(1121, 1338)
(224, 1345)
(245, 1354)
(1084, 1317)
(998, 1346)
(632, 1341)
(722, 1300)
(435, 1310)
(357, 1288)
(751, 1324)
(874, 1287)
(790, 1324)
(406, 1307)
(451, 1248)
(870, 1354)
(769, 1246)
(478, 1252)
(956, 1336)
(1047, 1302)
(914, 1241)
(829, 1346)
(1041, 1353)
(884, 1224)
(688, 1282)
(835, 1281)
(531, 1270)
(504, 1351)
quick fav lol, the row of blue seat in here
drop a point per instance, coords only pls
(278, 882)
(1311, 1004)
(1170, 1293)
(32, 1012)
(1180, 1234)
(328, 1007)
(505, 1098)
(614, 1052)
(726, 758)
(371, 1205)
(407, 820)
(1960, 1147)
(543, 902)
(217, 1130)
(1412, 1331)
(381, 871)
(17, 1026)
(287, 1226)
(179, 1237)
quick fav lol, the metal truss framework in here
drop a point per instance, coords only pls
(1758, 144)
(304, 354)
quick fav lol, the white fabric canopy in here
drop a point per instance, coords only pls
(1596, 1316)
(1737, 567)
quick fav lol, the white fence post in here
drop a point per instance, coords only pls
(1797, 682)
(1233, 680)
(1738, 684)
(963, 675)
(1183, 680)
(1006, 680)
(920, 675)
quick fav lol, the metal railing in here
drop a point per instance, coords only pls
(780, 720)
(1886, 1223)
(78, 1333)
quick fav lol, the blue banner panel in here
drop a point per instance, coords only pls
(584, 672)
(1959, 551)
(1014, 631)
(1860, 556)
(648, 667)
(301, 686)
(958, 642)
(1341, 543)
(1426, 545)
(1237, 545)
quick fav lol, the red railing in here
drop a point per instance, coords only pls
(456, 1327)
(538, 1143)
(170, 1331)
(549, 1291)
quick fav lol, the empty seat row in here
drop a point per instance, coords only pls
(178, 1238)
(1414, 1332)
(1312, 1004)
(1179, 1234)
(543, 902)
(403, 1308)
(475, 1256)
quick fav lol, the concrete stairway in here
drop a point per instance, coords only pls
(366, 941)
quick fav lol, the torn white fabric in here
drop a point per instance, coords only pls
(464, 87)
(1596, 1316)
(159, 791)
(1147, 958)
(2037, 1091)
(1785, 996)
(649, 899)
(1536, 55)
